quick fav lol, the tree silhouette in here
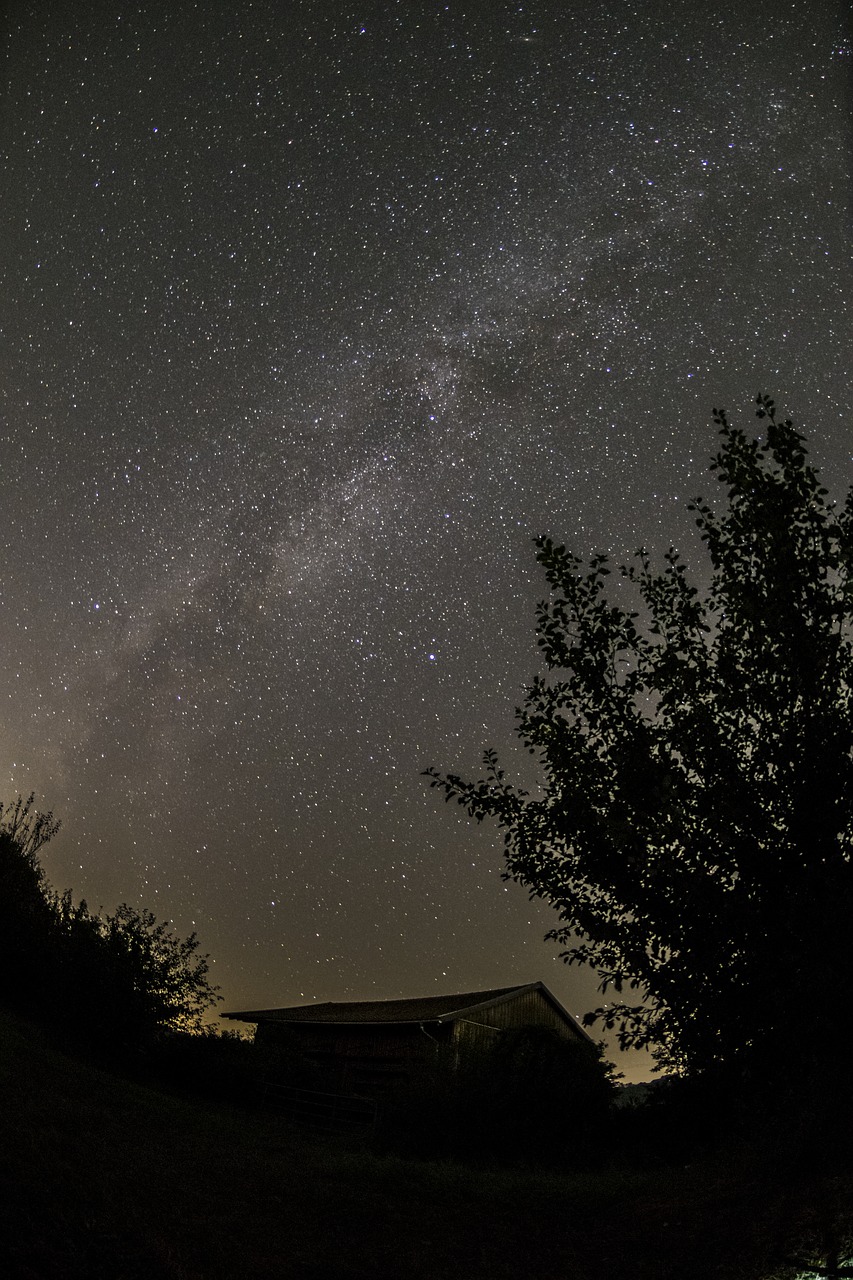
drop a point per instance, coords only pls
(26, 915)
(167, 978)
(122, 978)
(693, 825)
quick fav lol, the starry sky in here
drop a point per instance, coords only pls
(313, 316)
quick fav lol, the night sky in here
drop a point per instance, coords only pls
(313, 315)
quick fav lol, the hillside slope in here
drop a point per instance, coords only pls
(106, 1179)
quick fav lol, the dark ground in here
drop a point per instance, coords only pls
(104, 1178)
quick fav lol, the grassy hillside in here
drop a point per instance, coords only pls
(106, 1178)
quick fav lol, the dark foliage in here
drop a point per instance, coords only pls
(219, 1065)
(121, 979)
(104, 1178)
(532, 1097)
(693, 828)
(26, 914)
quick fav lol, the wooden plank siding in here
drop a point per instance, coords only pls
(479, 1029)
(366, 1059)
(382, 1044)
(527, 1009)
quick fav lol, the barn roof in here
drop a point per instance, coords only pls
(421, 1009)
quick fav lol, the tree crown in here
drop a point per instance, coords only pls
(693, 826)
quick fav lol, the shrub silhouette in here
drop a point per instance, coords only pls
(122, 979)
(531, 1096)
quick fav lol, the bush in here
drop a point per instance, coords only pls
(120, 980)
(533, 1097)
(220, 1065)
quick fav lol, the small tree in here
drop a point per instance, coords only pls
(124, 977)
(693, 828)
(27, 962)
(166, 980)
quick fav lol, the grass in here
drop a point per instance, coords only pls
(104, 1178)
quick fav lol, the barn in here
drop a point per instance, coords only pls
(368, 1045)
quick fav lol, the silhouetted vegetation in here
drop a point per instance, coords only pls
(119, 981)
(532, 1097)
(694, 827)
(104, 1177)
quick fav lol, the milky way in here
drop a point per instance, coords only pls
(313, 317)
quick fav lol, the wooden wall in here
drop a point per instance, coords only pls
(361, 1059)
(529, 1009)
(369, 1058)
